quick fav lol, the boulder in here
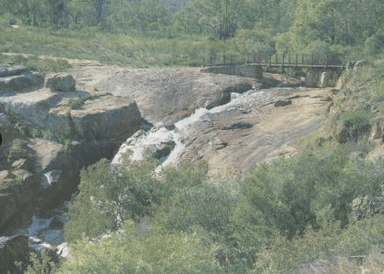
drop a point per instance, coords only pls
(19, 163)
(312, 79)
(63, 251)
(5, 174)
(4, 185)
(22, 173)
(60, 82)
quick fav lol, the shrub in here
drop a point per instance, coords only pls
(76, 103)
(356, 121)
(292, 193)
(337, 250)
(124, 253)
(112, 197)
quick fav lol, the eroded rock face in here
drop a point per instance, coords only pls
(238, 135)
(176, 93)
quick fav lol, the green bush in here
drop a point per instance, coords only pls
(330, 245)
(76, 103)
(157, 253)
(112, 196)
(291, 194)
(356, 121)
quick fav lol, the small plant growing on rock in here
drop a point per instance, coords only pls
(18, 180)
(77, 103)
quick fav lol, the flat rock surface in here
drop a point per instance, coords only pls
(166, 93)
(254, 130)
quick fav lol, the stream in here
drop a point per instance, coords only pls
(167, 142)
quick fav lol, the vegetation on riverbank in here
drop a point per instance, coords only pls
(318, 210)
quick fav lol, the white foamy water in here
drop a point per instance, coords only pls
(41, 236)
(159, 135)
(38, 225)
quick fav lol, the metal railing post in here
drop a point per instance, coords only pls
(312, 61)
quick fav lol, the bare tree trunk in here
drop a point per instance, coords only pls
(99, 11)
(66, 14)
(27, 12)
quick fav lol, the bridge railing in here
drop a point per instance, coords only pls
(276, 59)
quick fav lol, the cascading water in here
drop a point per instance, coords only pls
(44, 234)
(159, 134)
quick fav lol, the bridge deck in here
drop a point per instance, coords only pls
(285, 65)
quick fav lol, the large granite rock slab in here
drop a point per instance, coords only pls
(18, 79)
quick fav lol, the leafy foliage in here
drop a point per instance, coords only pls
(292, 194)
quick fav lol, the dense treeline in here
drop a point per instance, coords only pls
(325, 26)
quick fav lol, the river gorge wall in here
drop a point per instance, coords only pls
(234, 122)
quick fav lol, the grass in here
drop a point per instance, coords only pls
(33, 63)
(119, 49)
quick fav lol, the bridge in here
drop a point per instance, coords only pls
(282, 62)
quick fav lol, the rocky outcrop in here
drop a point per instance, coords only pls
(312, 79)
(173, 94)
(40, 173)
(235, 136)
(17, 79)
(46, 142)
(60, 82)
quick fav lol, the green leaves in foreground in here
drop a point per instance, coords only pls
(167, 253)
(180, 222)
(294, 193)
